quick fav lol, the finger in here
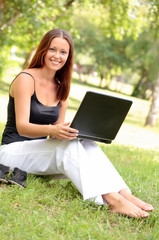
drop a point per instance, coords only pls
(72, 130)
(66, 124)
(73, 135)
(69, 135)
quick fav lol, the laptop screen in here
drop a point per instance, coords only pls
(100, 116)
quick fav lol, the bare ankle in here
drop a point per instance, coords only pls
(112, 198)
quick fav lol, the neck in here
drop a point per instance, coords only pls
(47, 74)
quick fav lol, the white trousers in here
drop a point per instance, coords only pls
(81, 161)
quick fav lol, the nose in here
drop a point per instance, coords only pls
(57, 54)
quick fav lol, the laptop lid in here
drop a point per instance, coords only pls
(100, 116)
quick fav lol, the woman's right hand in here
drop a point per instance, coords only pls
(62, 131)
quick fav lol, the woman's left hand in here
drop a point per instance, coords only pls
(64, 132)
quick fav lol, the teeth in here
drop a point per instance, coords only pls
(55, 62)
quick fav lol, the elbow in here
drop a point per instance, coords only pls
(20, 132)
(21, 129)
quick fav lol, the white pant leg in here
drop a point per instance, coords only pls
(103, 176)
(82, 162)
(35, 157)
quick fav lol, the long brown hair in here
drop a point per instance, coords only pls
(63, 76)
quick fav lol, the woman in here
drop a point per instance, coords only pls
(37, 105)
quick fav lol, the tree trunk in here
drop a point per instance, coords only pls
(152, 115)
(28, 58)
(101, 79)
(147, 85)
(138, 86)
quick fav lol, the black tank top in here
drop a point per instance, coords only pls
(39, 114)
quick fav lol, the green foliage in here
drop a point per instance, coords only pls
(113, 37)
(93, 43)
(23, 23)
(144, 54)
(102, 29)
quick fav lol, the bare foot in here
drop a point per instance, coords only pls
(136, 201)
(119, 204)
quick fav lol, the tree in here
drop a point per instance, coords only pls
(102, 29)
(139, 52)
(94, 38)
(154, 28)
(144, 53)
(24, 22)
(151, 118)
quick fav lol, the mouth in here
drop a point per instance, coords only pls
(55, 62)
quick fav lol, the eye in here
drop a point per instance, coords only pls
(63, 52)
(52, 49)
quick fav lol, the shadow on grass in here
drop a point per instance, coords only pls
(4, 87)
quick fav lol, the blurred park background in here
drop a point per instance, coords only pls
(116, 52)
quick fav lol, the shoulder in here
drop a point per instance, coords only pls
(27, 74)
(24, 81)
(64, 103)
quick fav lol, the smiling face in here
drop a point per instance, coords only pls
(57, 54)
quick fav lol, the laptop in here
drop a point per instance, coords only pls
(100, 116)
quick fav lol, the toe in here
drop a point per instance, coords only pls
(148, 207)
(144, 214)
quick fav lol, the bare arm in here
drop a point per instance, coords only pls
(22, 89)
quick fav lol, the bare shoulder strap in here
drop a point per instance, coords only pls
(25, 73)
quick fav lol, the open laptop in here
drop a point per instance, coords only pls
(100, 116)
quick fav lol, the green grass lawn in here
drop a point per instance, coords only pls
(54, 209)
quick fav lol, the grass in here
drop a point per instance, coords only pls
(54, 209)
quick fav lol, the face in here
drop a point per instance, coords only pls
(57, 54)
